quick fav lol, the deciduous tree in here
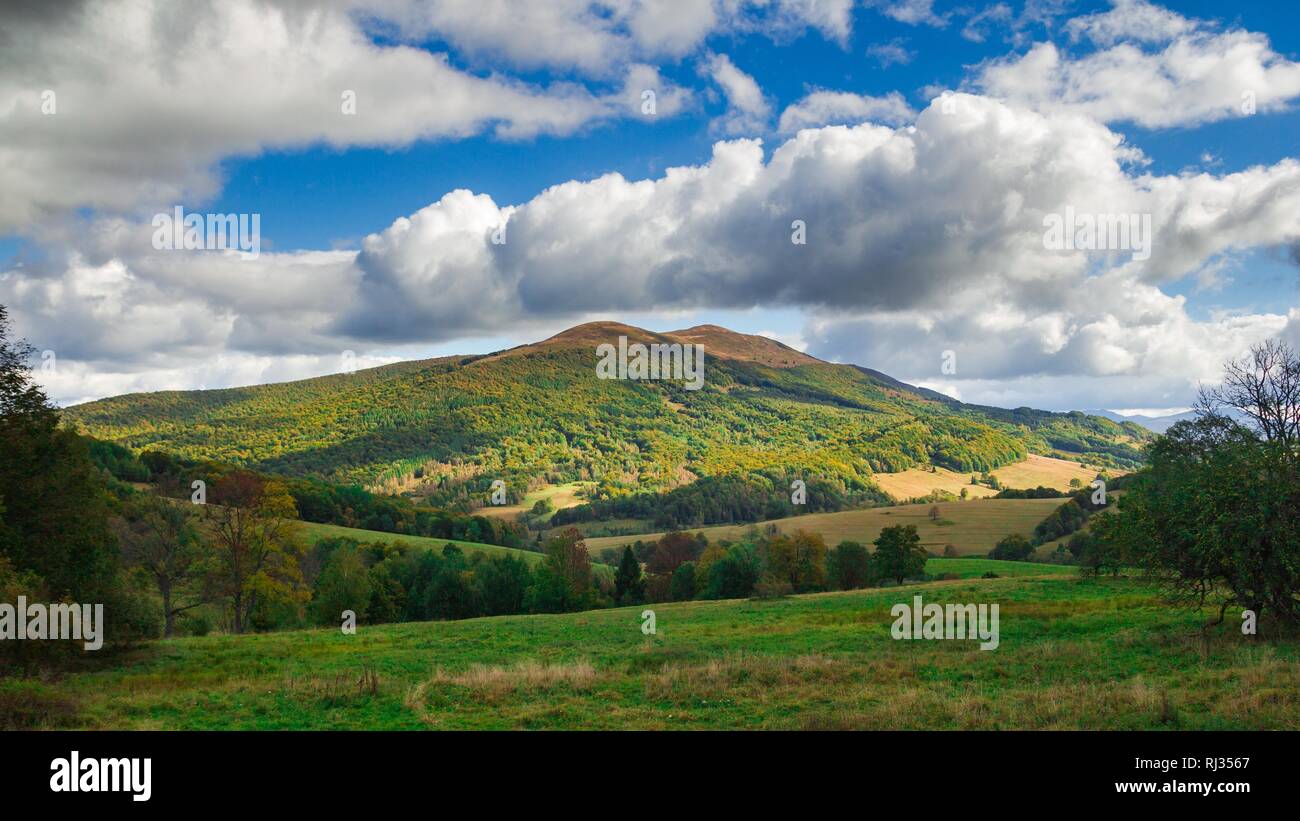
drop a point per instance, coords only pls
(257, 546)
(898, 554)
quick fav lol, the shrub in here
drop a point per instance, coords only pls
(772, 587)
(848, 566)
(683, 583)
(1013, 548)
(735, 574)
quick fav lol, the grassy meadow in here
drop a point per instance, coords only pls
(560, 497)
(1074, 653)
(915, 483)
(1035, 470)
(1032, 471)
(315, 531)
(973, 527)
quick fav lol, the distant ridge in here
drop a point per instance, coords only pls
(1156, 424)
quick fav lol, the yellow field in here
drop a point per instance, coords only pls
(1046, 471)
(561, 496)
(914, 483)
(976, 525)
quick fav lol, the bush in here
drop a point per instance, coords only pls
(683, 583)
(194, 624)
(735, 575)
(771, 587)
(848, 566)
(1013, 548)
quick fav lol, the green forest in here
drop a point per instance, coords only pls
(446, 429)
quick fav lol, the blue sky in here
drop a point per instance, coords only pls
(474, 98)
(319, 197)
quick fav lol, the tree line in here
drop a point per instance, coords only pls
(315, 500)
(723, 500)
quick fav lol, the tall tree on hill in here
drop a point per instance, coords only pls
(343, 584)
(848, 566)
(563, 582)
(799, 559)
(1216, 515)
(257, 546)
(899, 555)
(671, 552)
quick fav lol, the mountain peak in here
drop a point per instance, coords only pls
(717, 341)
(595, 333)
(730, 344)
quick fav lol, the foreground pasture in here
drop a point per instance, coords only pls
(1074, 654)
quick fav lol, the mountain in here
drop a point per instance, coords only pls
(717, 342)
(446, 427)
(1157, 424)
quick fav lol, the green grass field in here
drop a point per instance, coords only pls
(1074, 653)
(560, 497)
(976, 525)
(974, 568)
(317, 531)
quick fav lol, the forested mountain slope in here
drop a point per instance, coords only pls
(446, 427)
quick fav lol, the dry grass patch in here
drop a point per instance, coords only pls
(338, 689)
(26, 705)
(737, 674)
(491, 682)
(1047, 471)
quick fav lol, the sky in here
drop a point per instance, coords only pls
(871, 182)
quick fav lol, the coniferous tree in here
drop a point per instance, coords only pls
(629, 586)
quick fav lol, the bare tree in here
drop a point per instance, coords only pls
(1263, 387)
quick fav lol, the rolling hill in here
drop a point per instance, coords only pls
(446, 428)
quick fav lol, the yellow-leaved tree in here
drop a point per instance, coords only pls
(258, 545)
